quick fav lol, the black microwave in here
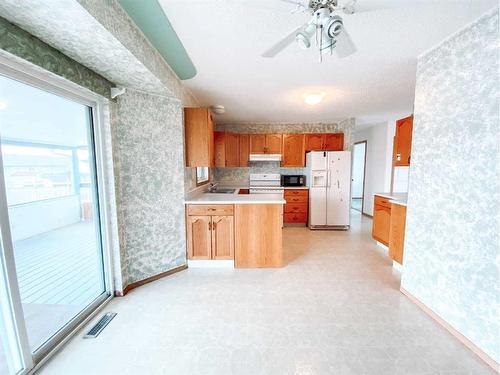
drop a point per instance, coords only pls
(293, 180)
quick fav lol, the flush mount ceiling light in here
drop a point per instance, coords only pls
(314, 98)
(218, 109)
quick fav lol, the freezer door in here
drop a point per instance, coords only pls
(339, 188)
(317, 160)
(317, 206)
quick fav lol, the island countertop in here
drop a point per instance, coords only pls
(396, 198)
(235, 198)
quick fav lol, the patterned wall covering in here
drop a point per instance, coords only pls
(149, 157)
(242, 175)
(22, 44)
(151, 233)
(452, 231)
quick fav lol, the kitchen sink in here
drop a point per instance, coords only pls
(222, 191)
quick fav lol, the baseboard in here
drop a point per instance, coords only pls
(139, 283)
(464, 340)
(398, 267)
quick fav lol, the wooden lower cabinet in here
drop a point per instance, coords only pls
(381, 222)
(397, 232)
(199, 237)
(210, 236)
(258, 236)
(297, 206)
(222, 237)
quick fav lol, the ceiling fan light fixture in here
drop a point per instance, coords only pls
(314, 98)
(334, 26)
(218, 109)
(303, 37)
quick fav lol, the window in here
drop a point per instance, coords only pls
(202, 175)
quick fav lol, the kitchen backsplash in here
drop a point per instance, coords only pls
(241, 175)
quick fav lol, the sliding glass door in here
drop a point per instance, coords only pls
(52, 224)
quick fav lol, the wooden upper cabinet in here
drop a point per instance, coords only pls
(199, 237)
(293, 150)
(273, 143)
(402, 142)
(244, 150)
(232, 151)
(334, 142)
(222, 237)
(220, 149)
(315, 142)
(257, 143)
(199, 137)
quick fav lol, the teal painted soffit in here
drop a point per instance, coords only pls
(150, 18)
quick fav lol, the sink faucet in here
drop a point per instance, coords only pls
(212, 187)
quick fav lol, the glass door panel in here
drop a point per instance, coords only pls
(51, 191)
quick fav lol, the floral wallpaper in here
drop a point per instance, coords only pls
(242, 175)
(147, 142)
(20, 43)
(452, 232)
(149, 159)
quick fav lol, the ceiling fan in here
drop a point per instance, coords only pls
(325, 25)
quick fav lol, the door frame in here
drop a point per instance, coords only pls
(364, 173)
(104, 206)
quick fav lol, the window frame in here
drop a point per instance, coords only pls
(27, 73)
(203, 182)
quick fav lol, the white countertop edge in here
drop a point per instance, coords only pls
(401, 203)
(203, 201)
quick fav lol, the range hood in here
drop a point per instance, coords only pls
(265, 157)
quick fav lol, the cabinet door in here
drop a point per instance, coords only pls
(334, 142)
(244, 149)
(220, 149)
(315, 142)
(293, 150)
(257, 143)
(273, 143)
(222, 237)
(199, 137)
(404, 130)
(381, 224)
(199, 239)
(232, 142)
(397, 232)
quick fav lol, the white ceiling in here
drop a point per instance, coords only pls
(225, 40)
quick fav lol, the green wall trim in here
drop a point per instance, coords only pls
(20, 43)
(148, 15)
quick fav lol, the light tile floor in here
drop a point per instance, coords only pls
(334, 309)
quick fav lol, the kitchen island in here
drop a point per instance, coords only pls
(246, 228)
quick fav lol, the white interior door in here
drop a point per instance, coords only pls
(339, 188)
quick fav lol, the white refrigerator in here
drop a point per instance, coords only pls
(329, 182)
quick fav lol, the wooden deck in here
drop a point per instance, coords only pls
(60, 267)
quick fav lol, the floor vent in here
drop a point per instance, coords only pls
(99, 326)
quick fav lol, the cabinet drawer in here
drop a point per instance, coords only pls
(295, 217)
(296, 193)
(295, 207)
(297, 199)
(381, 201)
(206, 209)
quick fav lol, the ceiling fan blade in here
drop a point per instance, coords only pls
(295, 2)
(344, 46)
(282, 44)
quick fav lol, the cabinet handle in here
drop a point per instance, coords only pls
(398, 157)
(409, 159)
(209, 225)
(214, 226)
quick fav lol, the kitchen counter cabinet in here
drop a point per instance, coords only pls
(397, 232)
(381, 220)
(258, 236)
(296, 207)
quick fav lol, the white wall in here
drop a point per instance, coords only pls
(379, 139)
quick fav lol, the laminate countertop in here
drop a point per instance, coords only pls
(396, 198)
(235, 198)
